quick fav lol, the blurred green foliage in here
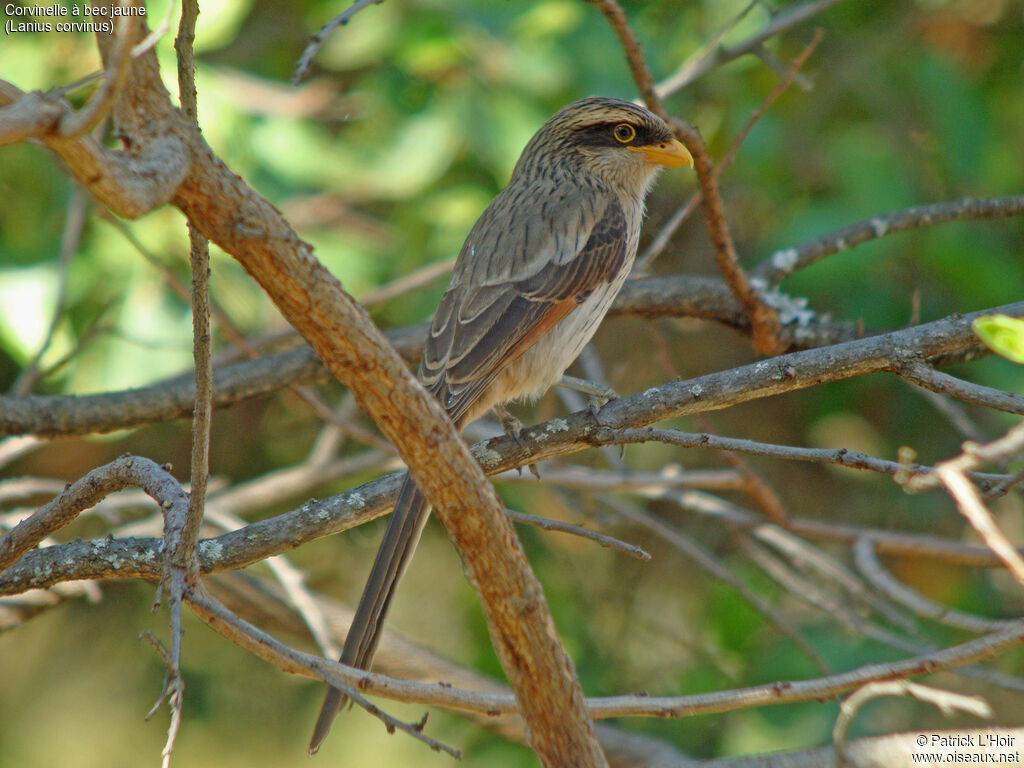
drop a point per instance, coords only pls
(410, 122)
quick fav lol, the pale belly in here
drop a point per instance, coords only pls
(543, 364)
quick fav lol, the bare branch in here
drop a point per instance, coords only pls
(546, 524)
(873, 570)
(779, 23)
(75, 124)
(120, 473)
(683, 212)
(923, 375)
(628, 480)
(199, 259)
(840, 456)
(947, 701)
(785, 262)
(64, 415)
(558, 437)
(306, 60)
(130, 185)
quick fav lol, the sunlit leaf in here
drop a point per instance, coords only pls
(1002, 334)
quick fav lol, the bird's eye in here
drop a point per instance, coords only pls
(624, 132)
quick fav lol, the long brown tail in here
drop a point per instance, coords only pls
(396, 549)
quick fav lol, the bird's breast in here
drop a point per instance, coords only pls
(543, 364)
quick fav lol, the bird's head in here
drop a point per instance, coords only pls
(617, 142)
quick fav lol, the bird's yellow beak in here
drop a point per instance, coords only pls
(668, 153)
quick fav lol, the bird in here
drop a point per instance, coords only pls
(532, 282)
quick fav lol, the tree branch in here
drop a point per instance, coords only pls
(558, 437)
(764, 320)
(229, 213)
(785, 262)
(64, 415)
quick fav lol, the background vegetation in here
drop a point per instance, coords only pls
(383, 158)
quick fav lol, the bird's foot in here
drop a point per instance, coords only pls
(513, 428)
(597, 394)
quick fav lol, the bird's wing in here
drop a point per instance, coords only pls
(518, 275)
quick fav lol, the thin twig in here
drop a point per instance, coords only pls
(872, 569)
(75, 124)
(590, 479)
(547, 524)
(781, 22)
(763, 318)
(199, 259)
(173, 692)
(969, 502)
(659, 242)
(786, 261)
(842, 457)
(923, 375)
(149, 41)
(947, 701)
(306, 60)
(681, 77)
(74, 223)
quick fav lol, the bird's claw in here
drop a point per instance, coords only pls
(597, 394)
(512, 426)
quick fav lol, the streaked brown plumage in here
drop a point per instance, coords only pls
(533, 281)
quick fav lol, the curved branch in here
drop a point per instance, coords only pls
(124, 472)
(129, 184)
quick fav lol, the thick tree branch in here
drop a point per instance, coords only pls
(129, 183)
(226, 211)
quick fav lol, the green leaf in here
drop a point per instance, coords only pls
(1002, 334)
